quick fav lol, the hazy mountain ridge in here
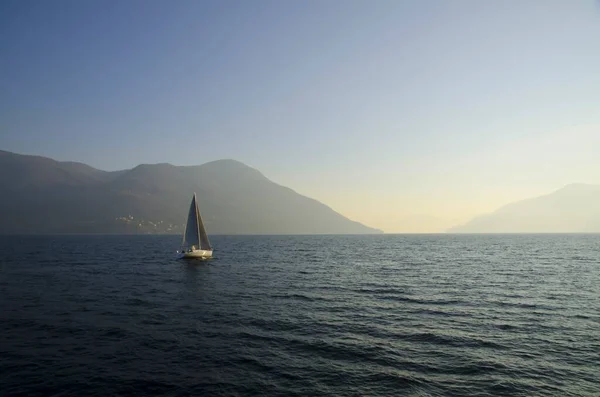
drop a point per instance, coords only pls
(41, 195)
(574, 208)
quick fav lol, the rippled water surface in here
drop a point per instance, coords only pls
(437, 315)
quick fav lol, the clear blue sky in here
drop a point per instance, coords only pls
(385, 110)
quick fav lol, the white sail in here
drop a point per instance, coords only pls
(195, 238)
(204, 242)
(191, 236)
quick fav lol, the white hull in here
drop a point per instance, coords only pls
(197, 254)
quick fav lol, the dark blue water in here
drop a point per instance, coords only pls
(342, 316)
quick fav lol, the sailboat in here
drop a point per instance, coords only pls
(195, 244)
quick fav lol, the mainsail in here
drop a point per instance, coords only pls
(195, 233)
(204, 243)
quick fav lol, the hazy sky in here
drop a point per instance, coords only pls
(404, 115)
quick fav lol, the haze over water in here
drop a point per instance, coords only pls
(406, 116)
(413, 315)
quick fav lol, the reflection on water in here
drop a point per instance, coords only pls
(307, 315)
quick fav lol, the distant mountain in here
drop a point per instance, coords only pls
(573, 209)
(41, 195)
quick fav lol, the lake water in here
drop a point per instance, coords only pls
(383, 315)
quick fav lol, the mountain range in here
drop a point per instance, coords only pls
(41, 195)
(574, 208)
